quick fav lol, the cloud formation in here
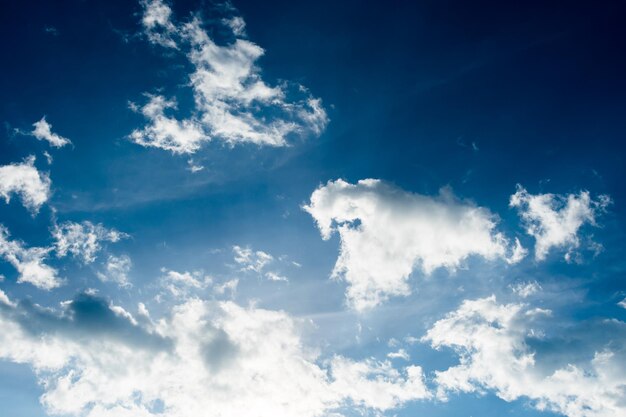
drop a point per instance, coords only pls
(555, 220)
(43, 131)
(493, 343)
(83, 240)
(387, 233)
(29, 262)
(25, 180)
(232, 102)
(93, 359)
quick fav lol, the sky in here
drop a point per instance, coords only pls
(312, 209)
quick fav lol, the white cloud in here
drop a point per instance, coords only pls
(232, 102)
(29, 262)
(193, 167)
(526, 289)
(554, 220)
(32, 186)
(83, 240)
(273, 276)
(491, 340)
(43, 131)
(116, 270)
(399, 354)
(230, 286)
(157, 24)
(251, 260)
(203, 355)
(387, 233)
(183, 284)
(622, 303)
(166, 132)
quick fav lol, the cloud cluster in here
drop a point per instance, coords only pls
(24, 179)
(29, 262)
(493, 343)
(43, 131)
(232, 102)
(95, 360)
(387, 233)
(555, 220)
(83, 240)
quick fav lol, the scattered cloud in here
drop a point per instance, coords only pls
(526, 289)
(387, 233)
(23, 179)
(116, 270)
(555, 220)
(83, 240)
(194, 167)
(93, 359)
(273, 276)
(250, 260)
(184, 284)
(29, 262)
(493, 343)
(256, 261)
(43, 131)
(232, 102)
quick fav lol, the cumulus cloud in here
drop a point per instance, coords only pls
(494, 342)
(43, 131)
(555, 220)
(94, 360)
(387, 233)
(24, 179)
(83, 240)
(29, 262)
(232, 102)
(116, 270)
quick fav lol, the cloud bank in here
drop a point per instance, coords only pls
(94, 359)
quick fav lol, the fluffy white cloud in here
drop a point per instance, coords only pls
(83, 240)
(94, 360)
(169, 133)
(43, 131)
(492, 341)
(29, 262)
(23, 179)
(387, 233)
(116, 270)
(232, 102)
(554, 220)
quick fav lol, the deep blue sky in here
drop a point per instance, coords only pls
(476, 96)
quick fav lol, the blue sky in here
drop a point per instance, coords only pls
(312, 209)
